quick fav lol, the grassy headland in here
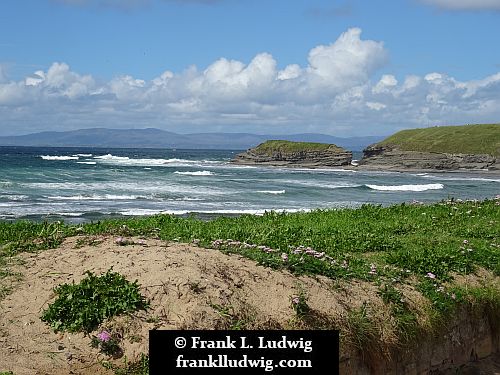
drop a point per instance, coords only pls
(466, 139)
(270, 147)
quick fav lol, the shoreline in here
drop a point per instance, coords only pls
(371, 168)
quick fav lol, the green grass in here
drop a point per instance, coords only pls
(138, 367)
(466, 139)
(419, 238)
(273, 146)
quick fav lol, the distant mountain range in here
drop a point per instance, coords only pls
(156, 138)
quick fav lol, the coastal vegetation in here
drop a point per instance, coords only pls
(465, 139)
(272, 146)
(401, 240)
(83, 306)
(403, 250)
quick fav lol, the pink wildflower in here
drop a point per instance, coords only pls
(295, 300)
(284, 257)
(430, 275)
(104, 336)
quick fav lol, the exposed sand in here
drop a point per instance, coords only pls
(181, 281)
(184, 284)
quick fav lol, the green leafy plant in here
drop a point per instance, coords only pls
(83, 306)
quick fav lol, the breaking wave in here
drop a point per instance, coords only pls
(423, 187)
(197, 173)
(52, 157)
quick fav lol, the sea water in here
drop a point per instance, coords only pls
(88, 184)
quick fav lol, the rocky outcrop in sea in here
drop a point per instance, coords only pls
(386, 157)
(330, 157)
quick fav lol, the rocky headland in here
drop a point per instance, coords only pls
(295, 154)
(387, 157)
(444, 148)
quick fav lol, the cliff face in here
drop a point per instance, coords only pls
(391, 158)
(330, 157)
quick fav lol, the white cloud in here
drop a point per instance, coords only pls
(375, 106)
(290, 72)
(465, 4)
(338, 92)
(347, 62)
(385, 84)
(35, 79)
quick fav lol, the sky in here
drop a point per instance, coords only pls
(343, 68)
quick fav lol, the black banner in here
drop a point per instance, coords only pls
(243, 352)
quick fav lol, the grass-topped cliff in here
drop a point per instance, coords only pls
(273, 146)
(295, 154)
(465, 139)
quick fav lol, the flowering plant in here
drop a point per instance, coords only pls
(299, 304)
(107, 343)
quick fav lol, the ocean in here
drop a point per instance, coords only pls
(82, 185)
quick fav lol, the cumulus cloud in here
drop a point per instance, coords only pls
(349, 61)
(341, 90)
(465, 4)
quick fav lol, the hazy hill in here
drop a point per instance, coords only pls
(156, 138)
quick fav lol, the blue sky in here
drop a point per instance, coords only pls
(337, 67)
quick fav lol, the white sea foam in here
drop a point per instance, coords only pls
(140, 188)
(276, 192)
(147, 162)
(55, 157)
(460, 178)
(14, 197)
(423, 187)
(111, 197)
(197, 173)
(83, 155)
(143, 212)
(87, 162)
(111, 157)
